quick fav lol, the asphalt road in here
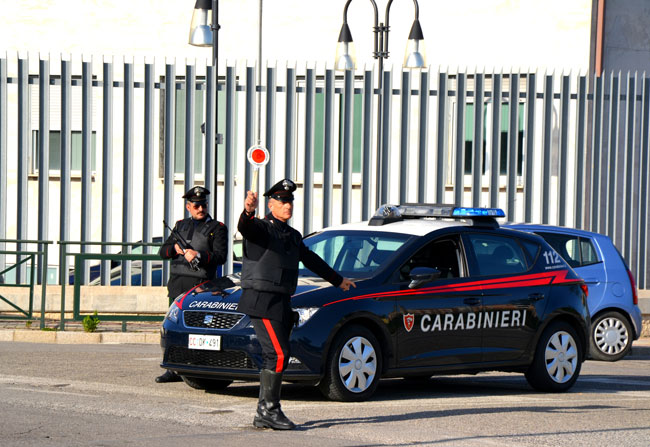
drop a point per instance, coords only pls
(104, 395)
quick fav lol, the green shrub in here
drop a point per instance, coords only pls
(90, 323)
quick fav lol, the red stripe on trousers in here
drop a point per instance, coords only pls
(276, 344)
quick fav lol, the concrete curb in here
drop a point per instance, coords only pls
(75, 337)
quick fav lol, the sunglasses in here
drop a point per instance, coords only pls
(196, 206)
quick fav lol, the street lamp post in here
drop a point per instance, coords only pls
(204, 33)
(414, 58)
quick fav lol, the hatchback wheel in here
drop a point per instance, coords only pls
(611, 337)
(353, 366)
(557, 361)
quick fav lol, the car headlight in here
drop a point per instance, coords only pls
(305, 313)
(172, 313)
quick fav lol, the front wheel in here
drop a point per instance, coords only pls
(206, 384)
(610, 337)
(557, 361)
(353, 366)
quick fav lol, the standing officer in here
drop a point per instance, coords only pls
(207, 238)
(272, 251)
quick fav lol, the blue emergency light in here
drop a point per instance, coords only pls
(392, 213)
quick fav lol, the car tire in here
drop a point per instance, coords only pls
(611, 337)
(353, 366)
(206, 384)
(558, 359)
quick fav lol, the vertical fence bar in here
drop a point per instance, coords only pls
(229, 185)
(290, 129)
(127, 179)
(190, 122)
(629, 162)
(308, 176)
(43, 159)
(596, 159)
(148, 170)
(169, 135)
(249, 133)
(513, 145)
(495, 145)
(86, 161)
(210, 173)
(328, 145)
(423, 137)
(529, 132)
(644, 168)
(107, 166)
(3, 158)
(459, 170)
(562, 187)
(386, 114)
(441, 137)
(547, 147)
(346, 163)
(405, 108)
(612, 159)
(477, 131)
(581, 141)
(366, 171)
(269, 178)
(24, 131)
(66, 149)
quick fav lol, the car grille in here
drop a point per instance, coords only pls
(218, 359)
(212, 320)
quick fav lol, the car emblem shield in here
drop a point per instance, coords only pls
(409, 320)
(208, 319)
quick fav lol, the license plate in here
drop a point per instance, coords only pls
(206, 342)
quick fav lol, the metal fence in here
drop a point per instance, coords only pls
(122, 142)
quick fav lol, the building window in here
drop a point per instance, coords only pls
(503, 138)
(76, 145)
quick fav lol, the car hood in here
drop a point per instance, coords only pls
(224, 294)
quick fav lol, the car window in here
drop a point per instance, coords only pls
(442, 254)
(497, 255)
(588, 252)
(576, 251)
(354, 254)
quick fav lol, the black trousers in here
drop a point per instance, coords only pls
(273, 335)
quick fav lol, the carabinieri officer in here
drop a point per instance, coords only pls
(208, 240)
(272, 251)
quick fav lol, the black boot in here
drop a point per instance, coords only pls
(269, 414)
(168, 376)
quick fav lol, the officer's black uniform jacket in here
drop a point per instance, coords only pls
(210, 238)
(267, 286)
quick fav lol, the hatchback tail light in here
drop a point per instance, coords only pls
(635, 296)
(585, 289)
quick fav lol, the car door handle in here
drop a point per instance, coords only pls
(536, 296)
(472, 301)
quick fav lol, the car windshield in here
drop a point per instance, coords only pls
(354, 254)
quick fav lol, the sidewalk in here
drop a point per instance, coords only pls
(107, 332)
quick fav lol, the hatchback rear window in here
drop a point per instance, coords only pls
(577, 251)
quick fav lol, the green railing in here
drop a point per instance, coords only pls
(22, 257)
(79, 266)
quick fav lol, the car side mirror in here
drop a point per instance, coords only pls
(422, 275)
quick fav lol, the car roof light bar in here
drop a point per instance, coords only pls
(392, 213)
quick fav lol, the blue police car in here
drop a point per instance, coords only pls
(613, 301)
(440, 290)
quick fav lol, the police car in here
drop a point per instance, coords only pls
(440, 290)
